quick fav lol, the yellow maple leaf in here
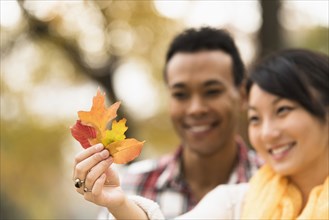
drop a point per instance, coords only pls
(117, 133)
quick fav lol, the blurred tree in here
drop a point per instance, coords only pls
(89, 38)
(316, 38)
(9, 209)
(273, 36)
(30, 162)
(138, 19)
(44, 30)
(270, 33)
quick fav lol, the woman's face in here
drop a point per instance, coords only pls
(290, 139)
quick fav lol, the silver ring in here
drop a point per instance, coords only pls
(86, 189)
(78, 183)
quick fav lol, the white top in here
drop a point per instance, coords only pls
(223, 202)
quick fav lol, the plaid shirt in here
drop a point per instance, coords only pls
(161, 179)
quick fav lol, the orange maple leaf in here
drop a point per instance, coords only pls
(99, 116)
(92, 129)
(125, 150)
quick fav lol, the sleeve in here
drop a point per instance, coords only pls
(150, 207)
(223, 202)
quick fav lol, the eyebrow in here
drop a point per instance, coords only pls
(274, 102)
(205, 84)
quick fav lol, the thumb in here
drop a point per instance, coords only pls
(112, 177)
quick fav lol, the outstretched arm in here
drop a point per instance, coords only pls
(223, 202)
(99, 183)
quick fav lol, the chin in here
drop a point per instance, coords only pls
(202, 151)
(283, 170)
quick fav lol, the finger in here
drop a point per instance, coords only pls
(81, 169)
(85, 154)
(97, 171)
(79, 189)
(99, 185)
(88, 152)
(112, 178)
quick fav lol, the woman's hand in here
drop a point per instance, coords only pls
(95, 179)
(100, 184)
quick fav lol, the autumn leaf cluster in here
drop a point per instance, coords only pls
(92, 128)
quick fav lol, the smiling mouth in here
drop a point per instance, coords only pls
(279, 152)
(198, 129)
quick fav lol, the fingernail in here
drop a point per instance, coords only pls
(99, 146)
(110, 159)
(105, 153)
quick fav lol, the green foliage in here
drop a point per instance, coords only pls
(30, 158)
(50, 53)
(315, 38)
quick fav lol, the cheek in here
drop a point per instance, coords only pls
(310, 136)
(254, 139)
(175, 110)
(229, 111)
(225, 104)
(232, 105)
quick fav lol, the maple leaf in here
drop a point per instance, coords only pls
(91, 128)
(116, 133)
(84, 134)
(125, 150)
(99, 116)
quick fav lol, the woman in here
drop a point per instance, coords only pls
(288, 126)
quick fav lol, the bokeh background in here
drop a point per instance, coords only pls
(55, 54)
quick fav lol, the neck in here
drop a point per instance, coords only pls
(311, 178)
(205, 172)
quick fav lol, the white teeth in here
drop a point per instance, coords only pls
(199, 128)
(280, 150)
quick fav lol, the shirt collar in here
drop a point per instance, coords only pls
(245, 163)
(171, 175)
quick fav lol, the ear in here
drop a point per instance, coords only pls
(243, 96)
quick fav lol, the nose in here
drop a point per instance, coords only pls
(269, 131)
(197, 106)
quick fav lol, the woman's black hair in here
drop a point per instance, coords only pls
(194, 40)
(300, 75)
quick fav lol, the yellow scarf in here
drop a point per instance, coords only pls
(271, 196)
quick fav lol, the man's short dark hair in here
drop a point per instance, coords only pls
(207, 39)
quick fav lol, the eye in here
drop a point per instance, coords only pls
(213, 92)
(282, 110)
(253, 119)
(179, 95)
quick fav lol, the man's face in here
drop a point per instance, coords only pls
(204, 103)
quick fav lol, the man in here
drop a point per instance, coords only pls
(204, 74)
